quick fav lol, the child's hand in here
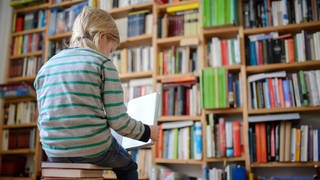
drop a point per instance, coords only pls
(154, 134)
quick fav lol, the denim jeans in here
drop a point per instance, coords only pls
(116, 158)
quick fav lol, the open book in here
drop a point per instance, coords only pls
(144, 109)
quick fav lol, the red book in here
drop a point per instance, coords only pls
(188, 101)
(165, 102)
(273, 141)
(269, 13)
(19, 24)
(222, 129)
(236, 138)
(282, 103)
(291, 50)
(260, 53)
(165, 62)
(263, 141)
(272, 95)
(224, 52)
(159, 143)
(258, 142)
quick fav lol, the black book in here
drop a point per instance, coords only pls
(270, 51)
(159, 27)
(265, 51)
(246, 15)
(252, 13)
(181, 94)
(277, 141)
(276, 48)
(171, 101)
(268, 129)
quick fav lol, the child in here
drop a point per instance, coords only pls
(80, 98)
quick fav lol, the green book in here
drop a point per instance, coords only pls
(207, 88)
(175, 143)
(191, 142)
(206, 17)
(222, 87)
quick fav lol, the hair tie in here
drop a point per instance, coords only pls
(86, 35)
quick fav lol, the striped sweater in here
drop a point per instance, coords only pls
(80, 98)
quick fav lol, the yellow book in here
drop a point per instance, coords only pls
(251, 176)
(298, 143)
(161, 63)
(184, 7)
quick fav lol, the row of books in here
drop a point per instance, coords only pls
(219, 12)
(180, 99)
(268, 13)
(136, 88)
(272, 48)
(16, 90)
(61, 20)
(108, 5)
(143, 157)
(279, 89)
(223, 52)
(140, 23)
(57, 46)
(27, 67)
(230, 172)
(20, 113)
(16, 165)
(183, 23)
(19, 139)
(220, 89)
(283, 141)
(33, 20)
(179, 60)
(180, 140)
(224, 138)
(27, 43)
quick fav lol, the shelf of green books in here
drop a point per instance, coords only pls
(124, 11)
(18, 79)
(178, 118)
(26, 9)
(65, 3)
(18, 151)
(291, 109)
(21, 33)
(225, 159)
(285, 164)
(37, 53)
(176, 161)
(221, 31)
(307, 65)
(145, 39)
(163, 7)
(15, 126)
(59, 36)
(177, 40)
(163, 78)
(224, 111)
(135, 75)
(290, 28)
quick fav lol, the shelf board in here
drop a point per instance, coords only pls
(128, 76)
(15, 126)
(280, 110)
(178, 118)
(175, 161)
(30, 31)
(284, 164)
(124, 11)
(37, 53)
(65, 3)
(312, 64)
(145, 39)
(18, 151)
(59, 36)
(20, 98)
(226, 159)
(286, 28)
(224, 111)
(221, 31)
(163, 7)
(18, 79)
(175, 40)
(177, 77)
(15, 178)
(32, 8)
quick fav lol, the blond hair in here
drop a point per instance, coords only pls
(89, 24)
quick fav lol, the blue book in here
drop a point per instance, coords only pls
(238, 173)
(265, 4)
(251, 149)
(197, 141)
(230, 90)
(253, 57)
(237, 93)
(286, 92)
(267, 95)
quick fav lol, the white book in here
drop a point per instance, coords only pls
(209, 141)
(144, 109)
(274, 117)
(178, 124)
(256, 77)
(304, 143)
(229, 142)
(296, 89)
(315, 145)
(293, 145)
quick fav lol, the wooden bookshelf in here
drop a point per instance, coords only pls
(37, 53)
(15, 178)
(19, 79)
(16, 126)
(21, 33)
(279, 110)
(162, 7)
(135, 75)
(145, 39)
(290, 28)
(175, 77)
(31, 8)
(176, 40)
(223, 31)
(18, 151)
(59, 36)
(175, 161)
(284, 164)
(225, 159)
(65, 3)
(224, 111)
(178, 118)
(124, 11)
(308, 65)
